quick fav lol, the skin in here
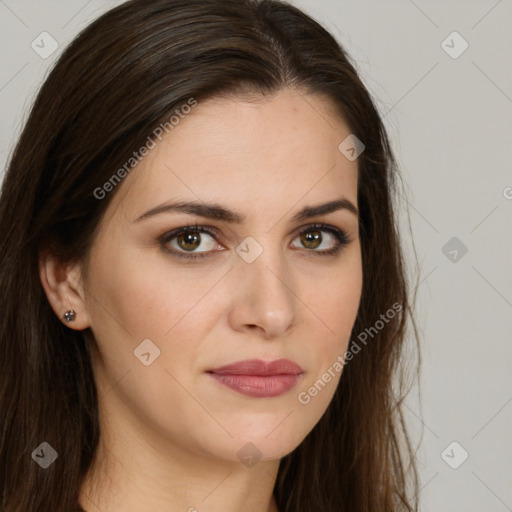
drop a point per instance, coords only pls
(170, 432)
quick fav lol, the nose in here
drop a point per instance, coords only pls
(263, 296)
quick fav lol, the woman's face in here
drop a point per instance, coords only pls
(263, 287)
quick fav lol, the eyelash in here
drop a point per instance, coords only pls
(340, 236)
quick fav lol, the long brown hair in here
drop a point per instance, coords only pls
(119, 79)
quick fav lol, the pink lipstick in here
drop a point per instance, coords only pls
(257, 378)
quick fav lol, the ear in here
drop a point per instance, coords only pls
(64, 289)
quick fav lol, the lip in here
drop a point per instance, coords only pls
(257, 378)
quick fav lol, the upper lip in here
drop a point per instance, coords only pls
(259, 367)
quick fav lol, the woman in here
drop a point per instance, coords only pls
(203, 286)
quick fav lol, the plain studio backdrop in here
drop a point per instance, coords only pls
(441, 76)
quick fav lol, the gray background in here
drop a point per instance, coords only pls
(450, 121)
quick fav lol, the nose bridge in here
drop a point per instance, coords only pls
(264, 278)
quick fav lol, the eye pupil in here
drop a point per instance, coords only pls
(190, 240)
(310, 239)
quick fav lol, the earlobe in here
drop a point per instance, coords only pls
(63, 287)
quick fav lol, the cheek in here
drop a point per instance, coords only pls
(149, 297)
(135, 302)
(335, 301)
(171, 306)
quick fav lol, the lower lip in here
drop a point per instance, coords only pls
(260, 386)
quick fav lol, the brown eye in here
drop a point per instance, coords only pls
(322, 239)
(189, 241)
(318, 239)
(311, 239)
(192, 240)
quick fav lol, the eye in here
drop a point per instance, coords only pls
(184, 242)
(312, 238)
(188, 239)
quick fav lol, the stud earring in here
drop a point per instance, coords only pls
(69, 316)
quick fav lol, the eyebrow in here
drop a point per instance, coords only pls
(217, 212)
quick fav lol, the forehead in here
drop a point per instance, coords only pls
(251, 154)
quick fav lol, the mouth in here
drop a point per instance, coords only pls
(260, 379)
